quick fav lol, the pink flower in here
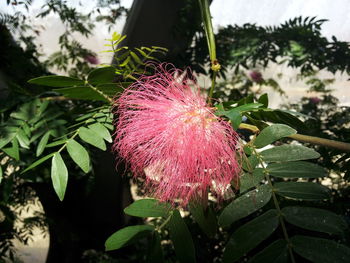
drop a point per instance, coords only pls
(314, 100)
(92, 59)
(256, 76)
(169, 135)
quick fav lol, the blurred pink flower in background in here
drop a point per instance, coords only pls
(256, 76)
(92, 59)
(170, 136)
(314, 100)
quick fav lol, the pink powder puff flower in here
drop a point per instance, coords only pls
(256, 76)
(168, 134)
(92, 59)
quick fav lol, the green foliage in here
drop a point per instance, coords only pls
(132, 61)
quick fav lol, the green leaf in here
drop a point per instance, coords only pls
(23, 139)
(250, 163)
(302, 190)
(56, 81)
(92, 138)
(79, 155)
(59, 175)
(42, 143)
(101, 130)
(245, 205)
(320, 250)
(264, 99)
(13, 151)
(277, 252)
(6, 137)
(147, 208)
(273, 133)
(250, 235)
(155, 252)
(235, 117)
(315, 219)
(251, 180)
(288, 153)
(111, 89)
(82, 93)
(127, 236)
(181, 238)
(248, 107)
(56, 143)
(101, 75)
(296, 170)
(206, 219)
(36, 163)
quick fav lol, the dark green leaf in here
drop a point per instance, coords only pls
(250, 235)
(315, 219)
(302, 190)
(92, 138)
(206, 219)
(251, 180)
(101, 131)
(235, 117)
(56, 81)
(79, 155)
(147, 208)
(127, 236)
(264, 99)
(42, 143)
(181, 238)
(59, 175)
(273, 133)
(287, 153)
(245, 205)
(277, 252)
(250, 163)
(320, 250)
(101, 75)
(36, 163)
(296, 170)
(82, 93)
(155, 252)
(111, 89)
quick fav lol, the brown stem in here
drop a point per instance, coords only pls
(343, 146)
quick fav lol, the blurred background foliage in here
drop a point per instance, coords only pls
(98, 197)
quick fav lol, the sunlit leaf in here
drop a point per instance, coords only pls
(147, 208)
(127, 236)
(101, 130)
(273, 133)
(92, 138)
(59, 175)
(79, 155)
(42, 143)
